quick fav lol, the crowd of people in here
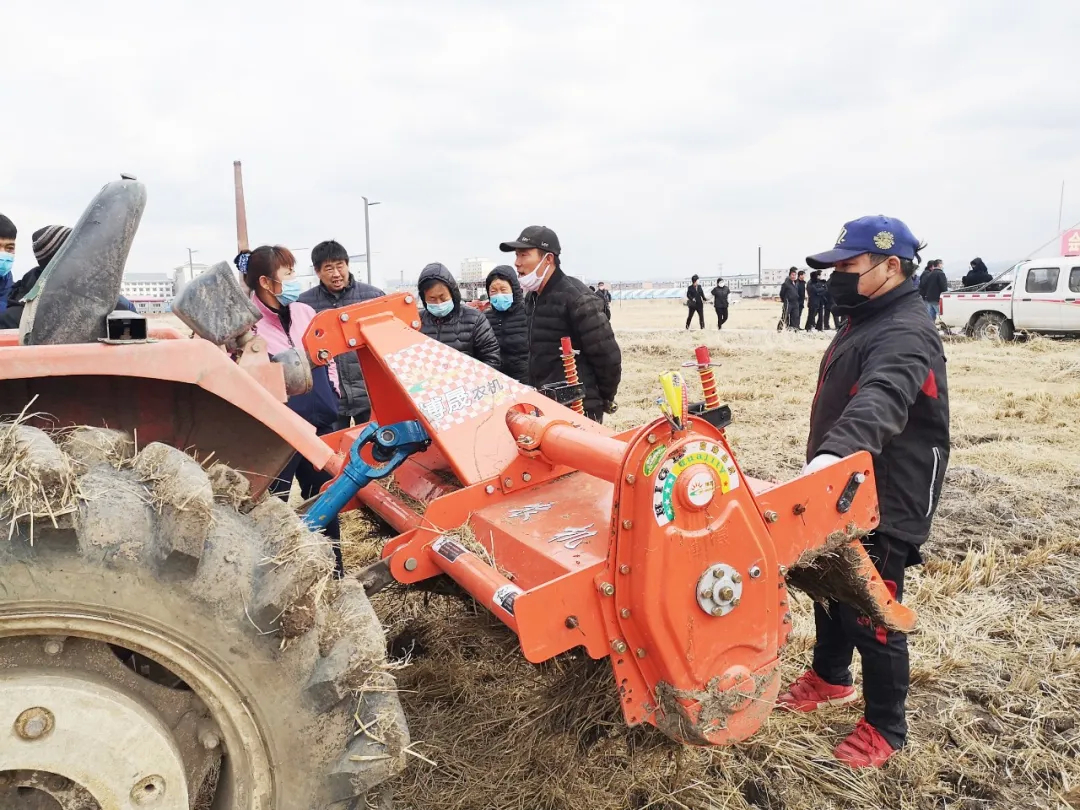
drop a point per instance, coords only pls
(533, 305)
(815, 298)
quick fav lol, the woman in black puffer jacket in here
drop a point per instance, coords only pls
(509, 321)
(445, 319)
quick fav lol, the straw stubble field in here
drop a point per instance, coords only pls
(995, 696)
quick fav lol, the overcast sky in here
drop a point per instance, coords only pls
(657, 138)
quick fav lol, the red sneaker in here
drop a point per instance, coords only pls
(809, 693)
(864, 748)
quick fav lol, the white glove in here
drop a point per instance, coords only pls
(819, 462)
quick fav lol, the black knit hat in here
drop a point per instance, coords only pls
(47, 241)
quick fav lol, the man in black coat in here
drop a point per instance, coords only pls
(720, 295)
(789, 297)
(931, 286)
(561, 306)
(604, 294)
(339, 288)
(817, 291)
(800, 288)
(509, 321)
(695, 301)
(882, 389)
(445, 319)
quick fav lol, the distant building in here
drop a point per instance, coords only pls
(150, 293)
(184, 274)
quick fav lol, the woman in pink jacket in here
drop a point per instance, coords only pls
(270, 274)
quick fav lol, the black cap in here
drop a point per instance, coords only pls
(535, 236)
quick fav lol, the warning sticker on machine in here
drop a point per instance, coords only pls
(506, 596)
(449, 387)
(448, 547)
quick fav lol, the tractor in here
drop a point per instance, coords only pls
(173, 638)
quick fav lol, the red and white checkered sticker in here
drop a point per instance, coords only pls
(450, 388)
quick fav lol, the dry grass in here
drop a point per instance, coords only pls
(995, 696)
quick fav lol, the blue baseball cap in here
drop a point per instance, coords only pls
(883, 235)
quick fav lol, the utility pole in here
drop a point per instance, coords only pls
(759, 268)
(190, 263)
(367, 237)
(241, 209)
(1061, 204)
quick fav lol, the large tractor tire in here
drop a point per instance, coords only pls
(167, 644)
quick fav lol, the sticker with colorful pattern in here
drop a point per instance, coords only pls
(709, 454)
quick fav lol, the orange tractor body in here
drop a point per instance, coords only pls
(648, 546)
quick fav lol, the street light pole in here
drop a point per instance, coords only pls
(190, 263)
(759, 269)
(367, 237)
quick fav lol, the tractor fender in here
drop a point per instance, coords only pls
(186, 393)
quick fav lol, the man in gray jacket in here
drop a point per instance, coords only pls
(338, 288)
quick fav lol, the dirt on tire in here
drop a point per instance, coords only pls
(93, 529)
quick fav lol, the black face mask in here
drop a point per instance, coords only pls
(844, 289)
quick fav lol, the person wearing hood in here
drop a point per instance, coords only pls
(46, 243)
(509, 321)
(270, 275)
(447, 321)
(881, 388)
(720, 294)
(978, 275)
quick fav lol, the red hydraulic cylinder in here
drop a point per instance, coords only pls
(708, 378)
(569, 363)
(560, 443)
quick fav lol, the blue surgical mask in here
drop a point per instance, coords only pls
(290, 291)
(6, 261)
(440, 310)
(502, 301)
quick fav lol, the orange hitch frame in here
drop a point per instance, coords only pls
(650, 547)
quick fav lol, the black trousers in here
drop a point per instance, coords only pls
(842, 629)
(721, 317)
(700, 310)
(791, 314)
(813, 318)
(311, 481)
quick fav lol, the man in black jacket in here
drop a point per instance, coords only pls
(720, 294)
(932, 284)
(695, 301)
(338, 288)
(789, 297)
(604, 294)
(882, 389)
(800, 288)
(445, 319)
(817, 291)
(560, 306)
(509, 321)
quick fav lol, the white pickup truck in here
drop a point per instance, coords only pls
(1035, 295)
